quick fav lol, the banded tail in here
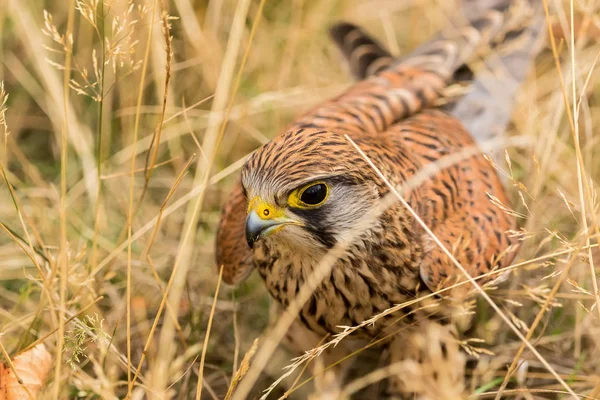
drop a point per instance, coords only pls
(364, 54)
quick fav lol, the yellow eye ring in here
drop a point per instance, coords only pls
(311, 195)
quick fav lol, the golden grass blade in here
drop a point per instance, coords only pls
(584, 193)
(158, 131)
(138, 170)
(207, 336)
(294, 386)
(63, 257)
(170, 310)
(185, 109)
(172, 190)
(236, 336)
(101, 34)
(130, 212)
(489, 395)
(243, 370)
(21, 220)
(371, 378)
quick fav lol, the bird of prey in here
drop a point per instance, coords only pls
(301, 192)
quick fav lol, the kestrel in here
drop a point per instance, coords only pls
(301, 192)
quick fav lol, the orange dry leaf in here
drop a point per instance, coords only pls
(31, 367)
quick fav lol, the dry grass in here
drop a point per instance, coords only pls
(122, 139)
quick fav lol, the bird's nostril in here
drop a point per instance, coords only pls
(266, 212)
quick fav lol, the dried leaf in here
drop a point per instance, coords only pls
(31, 367)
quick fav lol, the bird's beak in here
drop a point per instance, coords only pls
(264, 220)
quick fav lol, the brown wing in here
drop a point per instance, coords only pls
(456, 203)
(233, 252)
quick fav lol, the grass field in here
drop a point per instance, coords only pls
(126, 123)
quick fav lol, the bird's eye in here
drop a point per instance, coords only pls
(314, 195)
(309, 196)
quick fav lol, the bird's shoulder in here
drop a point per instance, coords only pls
(410, 144)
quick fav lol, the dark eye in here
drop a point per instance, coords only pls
(314, 195)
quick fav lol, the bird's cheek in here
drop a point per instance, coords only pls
(292, 231)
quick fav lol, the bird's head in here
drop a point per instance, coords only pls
(305, 188)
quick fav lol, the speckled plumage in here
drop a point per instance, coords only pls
(390, 114)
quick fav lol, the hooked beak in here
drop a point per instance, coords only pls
(258, 228)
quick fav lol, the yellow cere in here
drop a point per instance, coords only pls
(294, 200)
(265, 210)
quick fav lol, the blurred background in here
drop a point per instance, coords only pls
(123, 125)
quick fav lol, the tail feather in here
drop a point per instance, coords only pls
(453, 47)
(486, 108)
(365, 56)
